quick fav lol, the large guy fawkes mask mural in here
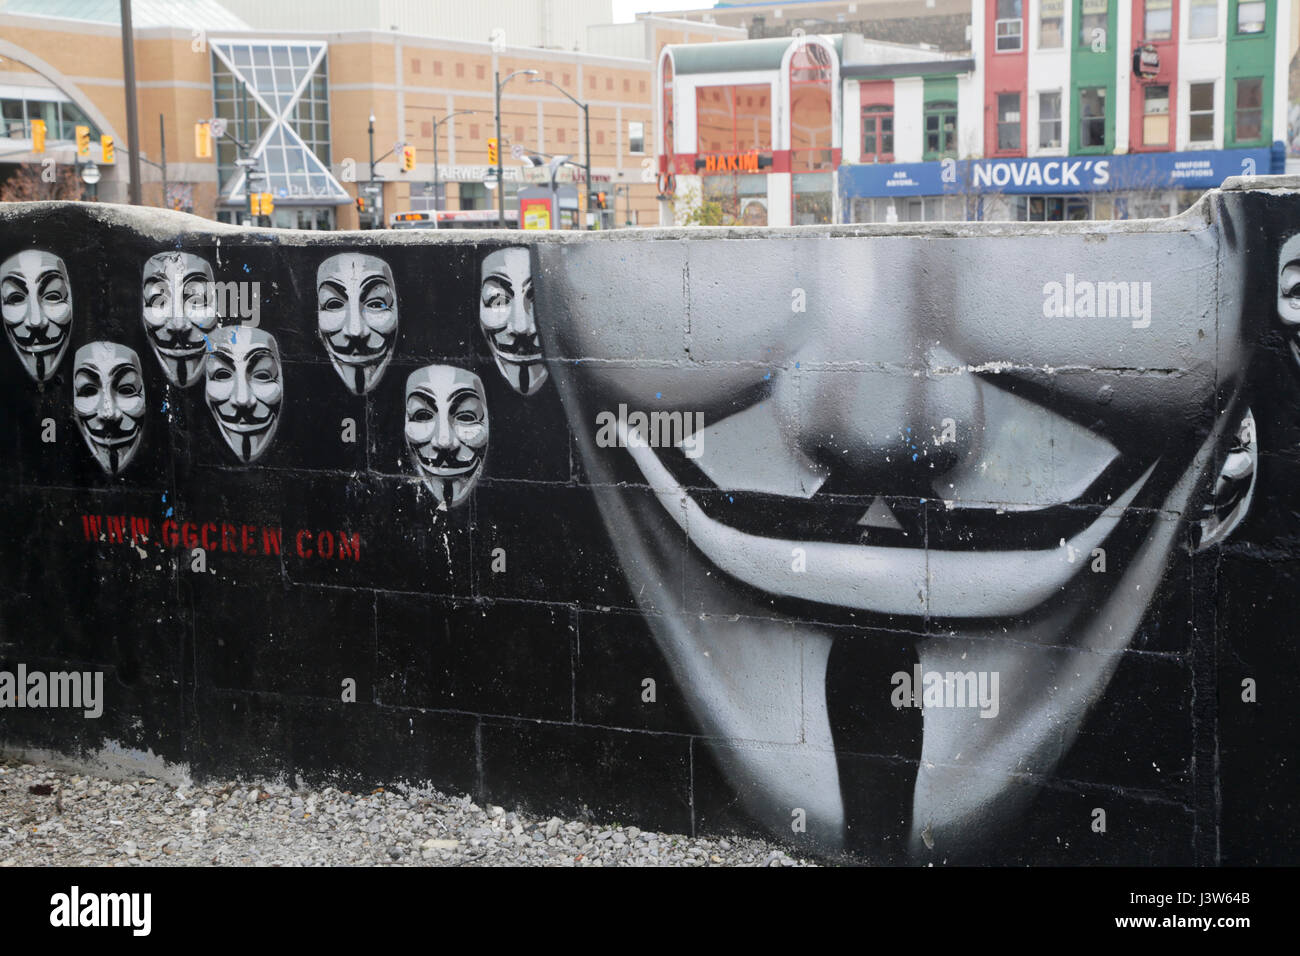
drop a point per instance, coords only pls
(446, 430)
(244, 388)
(905, 457)
(36, 302)
(356, 314)
(180, 312)
(505, 314)
(109, 401)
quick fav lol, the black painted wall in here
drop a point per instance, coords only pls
(500, 646)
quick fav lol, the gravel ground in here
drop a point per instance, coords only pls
(53, 817)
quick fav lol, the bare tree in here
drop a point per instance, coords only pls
(32, 182)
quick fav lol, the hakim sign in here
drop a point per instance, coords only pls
(747, 162)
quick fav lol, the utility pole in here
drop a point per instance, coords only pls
(132, 116)
(586, 123)
(501, 185)
(162, 142)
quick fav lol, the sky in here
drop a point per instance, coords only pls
(625, 11)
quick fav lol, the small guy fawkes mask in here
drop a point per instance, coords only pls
(446, 430)
(245, 389)
(36, 301)
(180, 310)
(108, 397)
(506, 315)
(356, 312)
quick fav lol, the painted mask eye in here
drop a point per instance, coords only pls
(421, 415)
(222, 375)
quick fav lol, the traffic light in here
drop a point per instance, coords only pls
(83, 140)
(106, 147)
(38, 136)
(600, 201)
(254, 204)
(268, 204)
(203, 140)
(408, 158)
(361, 204)
(494, 156)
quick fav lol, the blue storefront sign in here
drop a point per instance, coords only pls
(1199, 169)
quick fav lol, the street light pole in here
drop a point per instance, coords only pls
(501, 186)
(436, 123)
(370, 183)
(586, 123)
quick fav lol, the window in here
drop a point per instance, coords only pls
(1052, 208)
(1093, 22)
(1251, 16)
(460, 69)
(1203, 19)
(1092, 117)
(1250, 109)
(480, 72)
(1049, 120)
(1008, 121)
(1159, 19)
(1009, 26)
(940, 129)
(877, 134)
(636, 137)
(1201, 112)
(1155, 116)
(1051, 23)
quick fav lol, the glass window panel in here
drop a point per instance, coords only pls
(261, 56)
(1203, 19)
(1251, 16)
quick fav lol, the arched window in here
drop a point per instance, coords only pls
(810, 109)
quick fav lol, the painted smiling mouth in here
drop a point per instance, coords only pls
(39, 349)
(244, 428)
(907, 576)
(358, 358)
(111, 441)
(429, 467)
(172, 351)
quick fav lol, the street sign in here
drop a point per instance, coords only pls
(370, 190)
(245, 162)
(517, 151)
(218, 127)
(90, 174)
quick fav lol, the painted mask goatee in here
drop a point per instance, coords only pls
(108, 397)
(505, 314)
(180, 311)
(36, 302)
(446, 430)
(245, 389)
(356, 314)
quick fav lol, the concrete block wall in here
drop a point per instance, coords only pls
(927, 543)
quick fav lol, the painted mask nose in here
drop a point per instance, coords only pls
(108, 409)
(885, 426)
(243, 397)
(36, 319)
(521, 318)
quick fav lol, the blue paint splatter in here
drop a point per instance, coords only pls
(767, 376)
(659, 394)
(208, 342)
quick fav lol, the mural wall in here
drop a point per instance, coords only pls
(926, 544)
